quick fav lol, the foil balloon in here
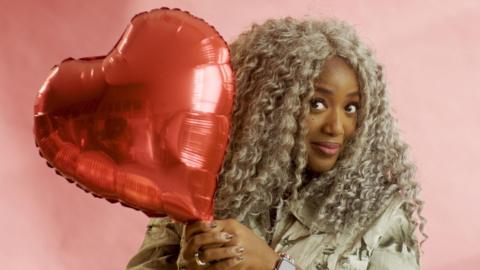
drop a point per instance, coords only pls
(146, 125)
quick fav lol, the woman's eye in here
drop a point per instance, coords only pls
(354, 106)
(317, 104)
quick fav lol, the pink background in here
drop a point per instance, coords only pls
(431, 53)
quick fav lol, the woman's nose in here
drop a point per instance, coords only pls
(333, 125)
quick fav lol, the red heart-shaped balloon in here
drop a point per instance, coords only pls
(147, 124)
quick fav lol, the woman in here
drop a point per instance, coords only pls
(314, 168)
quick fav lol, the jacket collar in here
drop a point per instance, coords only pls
(304, 210)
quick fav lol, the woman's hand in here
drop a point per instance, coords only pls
(200, 236)
(244, 250)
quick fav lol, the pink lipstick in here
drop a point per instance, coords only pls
(326, 148)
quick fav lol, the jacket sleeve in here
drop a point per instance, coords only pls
(160, 247)
(397, 248)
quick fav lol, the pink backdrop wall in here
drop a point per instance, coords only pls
(431, 53)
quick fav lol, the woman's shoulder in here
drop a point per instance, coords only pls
(165, 223)
(160, 246)
(159, 221)
(389, 241)
(392, 220)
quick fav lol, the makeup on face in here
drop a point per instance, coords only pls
(333, 114)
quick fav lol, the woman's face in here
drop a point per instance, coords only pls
(333, 114)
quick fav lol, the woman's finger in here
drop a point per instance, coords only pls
(200, 240)
(199, 227)
(221, 253)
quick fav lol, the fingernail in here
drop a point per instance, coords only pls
(239, 250)
(240, 258)
(227, 236)
(213, 224)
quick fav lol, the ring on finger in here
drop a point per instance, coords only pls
(198, 260)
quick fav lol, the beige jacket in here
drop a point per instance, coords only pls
(387, 244)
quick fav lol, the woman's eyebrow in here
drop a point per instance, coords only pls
(330, 92)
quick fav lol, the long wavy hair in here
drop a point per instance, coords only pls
(276, 64)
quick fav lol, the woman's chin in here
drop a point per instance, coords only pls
(320, 166)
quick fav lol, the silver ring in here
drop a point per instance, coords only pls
(198, 260)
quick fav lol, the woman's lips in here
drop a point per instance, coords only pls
(326, 148)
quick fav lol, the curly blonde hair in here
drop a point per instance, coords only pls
(276, 64)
